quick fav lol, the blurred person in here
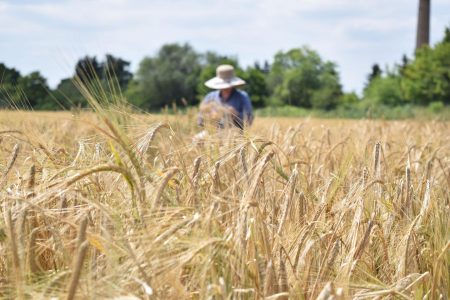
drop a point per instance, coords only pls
(227, 105)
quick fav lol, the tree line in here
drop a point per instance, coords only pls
(299, 77)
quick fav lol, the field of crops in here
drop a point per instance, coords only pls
(118, 205)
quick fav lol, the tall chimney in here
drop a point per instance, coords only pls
(423, 24)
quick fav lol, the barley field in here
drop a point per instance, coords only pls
(117, 205)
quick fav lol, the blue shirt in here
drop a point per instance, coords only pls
(238, 100)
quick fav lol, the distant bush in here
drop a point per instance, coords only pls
(283, 111)
(436, 107)
(384, 91)
(361, 111)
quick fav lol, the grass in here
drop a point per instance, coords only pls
(435, 111)
(113, 205)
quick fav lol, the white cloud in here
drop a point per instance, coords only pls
(355, 34)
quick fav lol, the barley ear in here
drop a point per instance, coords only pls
(31, 180)
(197, 163)
(10, 164)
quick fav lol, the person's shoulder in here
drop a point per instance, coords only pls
(211, 96)
(242, 93)
(212, 93)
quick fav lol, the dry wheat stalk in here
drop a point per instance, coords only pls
(17, 267)
(270, 282)
(376, 161)
(288, 199)
(407, 202)
(76, 273)
(283, 279)
(32, 251)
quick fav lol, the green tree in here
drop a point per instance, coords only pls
(168, 77)
(256, 86)
(330, 91)
(8, 75)
(30, 91)
(427, 78)
(9, 78)
(117, 70)
(376, 72)
(36, 91)
(88, 70)
(384, 90)
(106, 77)
(349, 99)
(68, 95)
(300, 77)
(446, 36)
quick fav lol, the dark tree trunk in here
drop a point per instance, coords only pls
(423, 24)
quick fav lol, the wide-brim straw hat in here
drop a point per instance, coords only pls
(225, 78)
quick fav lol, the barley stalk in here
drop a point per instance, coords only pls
(15, 257)
(376, 162)
(270, 282)
(283, 279)
(76, 273)
(32, 251)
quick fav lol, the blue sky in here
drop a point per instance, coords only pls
(50, 35)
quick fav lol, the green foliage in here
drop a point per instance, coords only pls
(9, 79)
(427, 78)
(169, 77)
(133, 94)
(436, 106)
(349, 99)
(30, 91)
(359, 111)
(117, 70)
(298, 82)
(88, 70)
(110, 77)
(446, 36)
(420, 81)
(8, 75)
(36, 91)
(256, 86)
(300, 77)
(283, 111)
(384, 90)
(376, 72)
(68, 95)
